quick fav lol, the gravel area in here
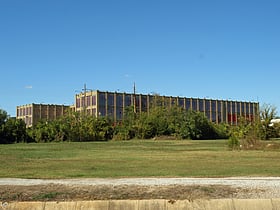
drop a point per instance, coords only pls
(233, 187)
(247, 182)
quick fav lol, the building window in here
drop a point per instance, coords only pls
(119, 100)
(194, 107)
(234, 107)
(188, 104)
(201, 107)
(251, 108)
(83, 101)
(247, 108)
(213, 105)
(110, 99)
(87, 101)
(181, 102)
(207, 105)
(144, 103)
(102, 99)
(93, 100)
(128, 100)
(78, 102)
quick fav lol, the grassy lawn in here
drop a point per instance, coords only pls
(136, 158)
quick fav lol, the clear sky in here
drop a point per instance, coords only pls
(219, 49)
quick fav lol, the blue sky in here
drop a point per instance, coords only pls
(220, 49)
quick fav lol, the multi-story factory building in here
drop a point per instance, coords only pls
(113, 104)
(33, 113)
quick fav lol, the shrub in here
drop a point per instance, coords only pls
(233, 142)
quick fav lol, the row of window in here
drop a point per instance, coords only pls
(212, 116)
(113, 104)
(24, 111)
(86, 101)
(142, 101)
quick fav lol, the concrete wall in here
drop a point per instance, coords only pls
(217, 204)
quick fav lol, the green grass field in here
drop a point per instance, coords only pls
(135, 158)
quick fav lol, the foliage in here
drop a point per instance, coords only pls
(276, 130)
(162, 120)
(73, 127)
(245, 135)
(11, 129)
(3, 117)
(15, 131)
(267, 113)
(222, 130)
(125, 130)
(233, 142)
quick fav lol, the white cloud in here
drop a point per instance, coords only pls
(28, 87)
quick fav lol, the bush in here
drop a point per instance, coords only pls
(233, 142)
(246, 134)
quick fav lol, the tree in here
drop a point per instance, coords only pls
(199, 126)
(73, 127)
(15, 131)
(3, 117)
(11, 130)
(267, 113)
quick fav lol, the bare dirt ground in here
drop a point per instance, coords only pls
(137, 188)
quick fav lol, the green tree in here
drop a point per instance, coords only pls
(11, 130)
(40, 132)
(245, 135)
(125, 129)
(3, 117)
(15, 131)
(97, 128)
(167, 120)
(267, 113)
(73, 127)
(199, 126)
(178, 122)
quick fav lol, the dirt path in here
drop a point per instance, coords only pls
(138, 188)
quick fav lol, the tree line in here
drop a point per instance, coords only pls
(159, 121)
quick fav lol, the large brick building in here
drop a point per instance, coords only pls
(33, 113)
(113, 104)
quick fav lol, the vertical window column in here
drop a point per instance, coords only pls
(148, 103)
(115, 107)
(226, 110)
(204, 105)
(210, 110)
(124, 105)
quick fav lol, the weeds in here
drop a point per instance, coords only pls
(46, 196)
